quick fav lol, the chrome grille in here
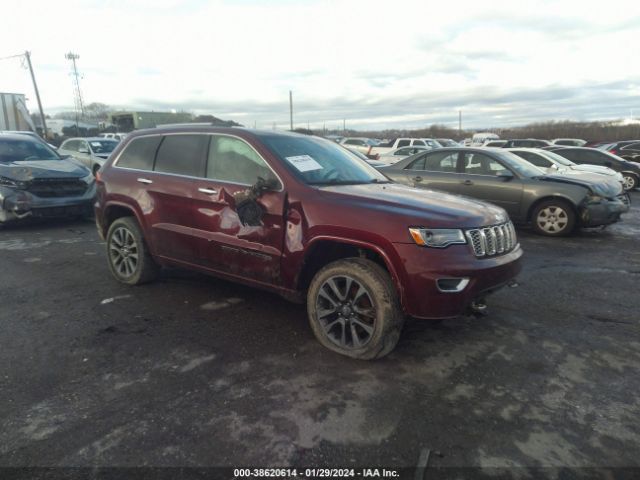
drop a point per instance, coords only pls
(495, 240)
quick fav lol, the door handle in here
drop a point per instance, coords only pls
(417, 179)
(467, 182)
(145, 180)
(208, 191)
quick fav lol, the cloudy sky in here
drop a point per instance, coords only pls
(376, 64)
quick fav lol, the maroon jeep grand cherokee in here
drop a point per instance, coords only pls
(302, 217)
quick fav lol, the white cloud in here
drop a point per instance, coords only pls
(242, 57)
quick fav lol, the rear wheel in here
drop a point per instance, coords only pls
(554, 218)
(353, 309)
(629, 181)
(129, 259)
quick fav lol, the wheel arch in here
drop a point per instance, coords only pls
(563, 198)
(323, 250)
(116, 210)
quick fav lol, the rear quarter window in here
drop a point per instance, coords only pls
(139, 154)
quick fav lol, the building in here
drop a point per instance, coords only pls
(14, 114)
(128, 121)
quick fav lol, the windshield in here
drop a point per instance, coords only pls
(103, 146)
(521, 166)
(557, 158)
(14, 150)
(321, 162)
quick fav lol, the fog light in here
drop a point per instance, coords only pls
(452, 285)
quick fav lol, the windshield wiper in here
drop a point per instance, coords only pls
(337, 182)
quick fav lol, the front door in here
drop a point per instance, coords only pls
(480, 180)
(239, 235)
(436, 170)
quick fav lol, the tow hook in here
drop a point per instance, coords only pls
(479, 308)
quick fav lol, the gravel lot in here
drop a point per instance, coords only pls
(194, 371)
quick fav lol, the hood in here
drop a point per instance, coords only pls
(600, 185)
(593, 168)
(30, 169)
(418, 206)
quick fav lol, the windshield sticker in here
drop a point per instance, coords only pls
(304, 163)
(95, 144)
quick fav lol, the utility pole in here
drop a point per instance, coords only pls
(35, 87)
(291, 109)
(459, 121)
(77, 95)
(344, 125)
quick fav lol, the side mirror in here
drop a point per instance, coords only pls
(505, 175)
(83, 150)
(64, 157)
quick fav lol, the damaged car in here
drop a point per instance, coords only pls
(553, 204)
(35, 181)
(302, 217)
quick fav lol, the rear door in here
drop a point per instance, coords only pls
(169, 188)
(230, 240)
(479, 180)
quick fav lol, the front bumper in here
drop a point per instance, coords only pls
(17, 204)
(421, 297)
(604, 212)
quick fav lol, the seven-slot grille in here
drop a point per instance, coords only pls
(57, 187)
(495, 240)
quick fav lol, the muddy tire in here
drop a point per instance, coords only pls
(354, 310)
(129, 259)
(553, 218)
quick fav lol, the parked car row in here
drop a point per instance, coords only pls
(429, 236)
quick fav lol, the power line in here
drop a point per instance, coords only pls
(12, 56)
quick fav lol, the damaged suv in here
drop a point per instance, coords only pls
(37, 182)
(302, 217)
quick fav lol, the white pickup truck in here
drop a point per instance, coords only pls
(401, 142)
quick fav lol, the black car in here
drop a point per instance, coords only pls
(35, 181)
(629, 149)
(526, 143)
(582, 155)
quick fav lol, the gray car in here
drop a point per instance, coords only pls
(554, 204)
(91, 152)
(37, 182)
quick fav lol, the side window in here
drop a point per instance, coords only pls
(233, 160)
(182, 155)
(536, 160)
(634, 147)
(417, 164)
(595, 158)
(403, 151)
(570, 155)
(442, 162)
(418, 142)
(139, 154)
(404, 143)
(71, 145)
(480, 164)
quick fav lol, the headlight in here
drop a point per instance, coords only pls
(595, 198)
(437, 237)
(10, 182)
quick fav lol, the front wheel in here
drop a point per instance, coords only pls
(554, 218)
(629, 181)
(353, 309)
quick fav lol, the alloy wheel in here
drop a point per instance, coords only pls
(346, 312)
(123, 252)
(552, 219)
(629, 182)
